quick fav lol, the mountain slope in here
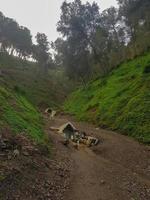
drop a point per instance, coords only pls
(27, 78)
(120, 101)
(19, 99)
(18, 115)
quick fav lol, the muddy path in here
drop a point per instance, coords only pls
(117, 169)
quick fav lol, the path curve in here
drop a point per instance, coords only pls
(117, 169)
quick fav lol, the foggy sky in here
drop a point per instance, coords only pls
(40, 15)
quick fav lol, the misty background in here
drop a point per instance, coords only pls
(41, 15)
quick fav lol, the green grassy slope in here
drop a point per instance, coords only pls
(26, 78)
(19, 116)
(120, 101)
(22, 88)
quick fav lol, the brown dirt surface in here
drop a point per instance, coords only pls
(117, 169)
(33, 174)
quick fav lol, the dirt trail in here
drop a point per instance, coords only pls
(117, 169)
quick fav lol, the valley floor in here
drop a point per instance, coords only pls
(117, 169)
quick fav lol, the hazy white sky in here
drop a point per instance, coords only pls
(40, 15)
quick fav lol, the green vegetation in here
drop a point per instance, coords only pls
(120, 101)
(18, 115)
(26, 78)
(23, 90)
(92, 42)
(17, 40)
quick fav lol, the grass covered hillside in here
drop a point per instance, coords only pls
(18, 115)
(22, 90)
(120, 101)
(26, 78)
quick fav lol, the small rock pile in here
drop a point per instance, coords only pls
(14, 146)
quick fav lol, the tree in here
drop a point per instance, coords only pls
(14, 38)
(59, 47)
(104, 39)
(23, 42)
(135, 14)
(41, 52)
(116, 37)
(78, 24)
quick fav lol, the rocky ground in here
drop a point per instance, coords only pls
(117, 169)
(28, 172)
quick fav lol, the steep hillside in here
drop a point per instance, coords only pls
(26, 78)
(120, 101)
(17, 115)
(22, 89)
